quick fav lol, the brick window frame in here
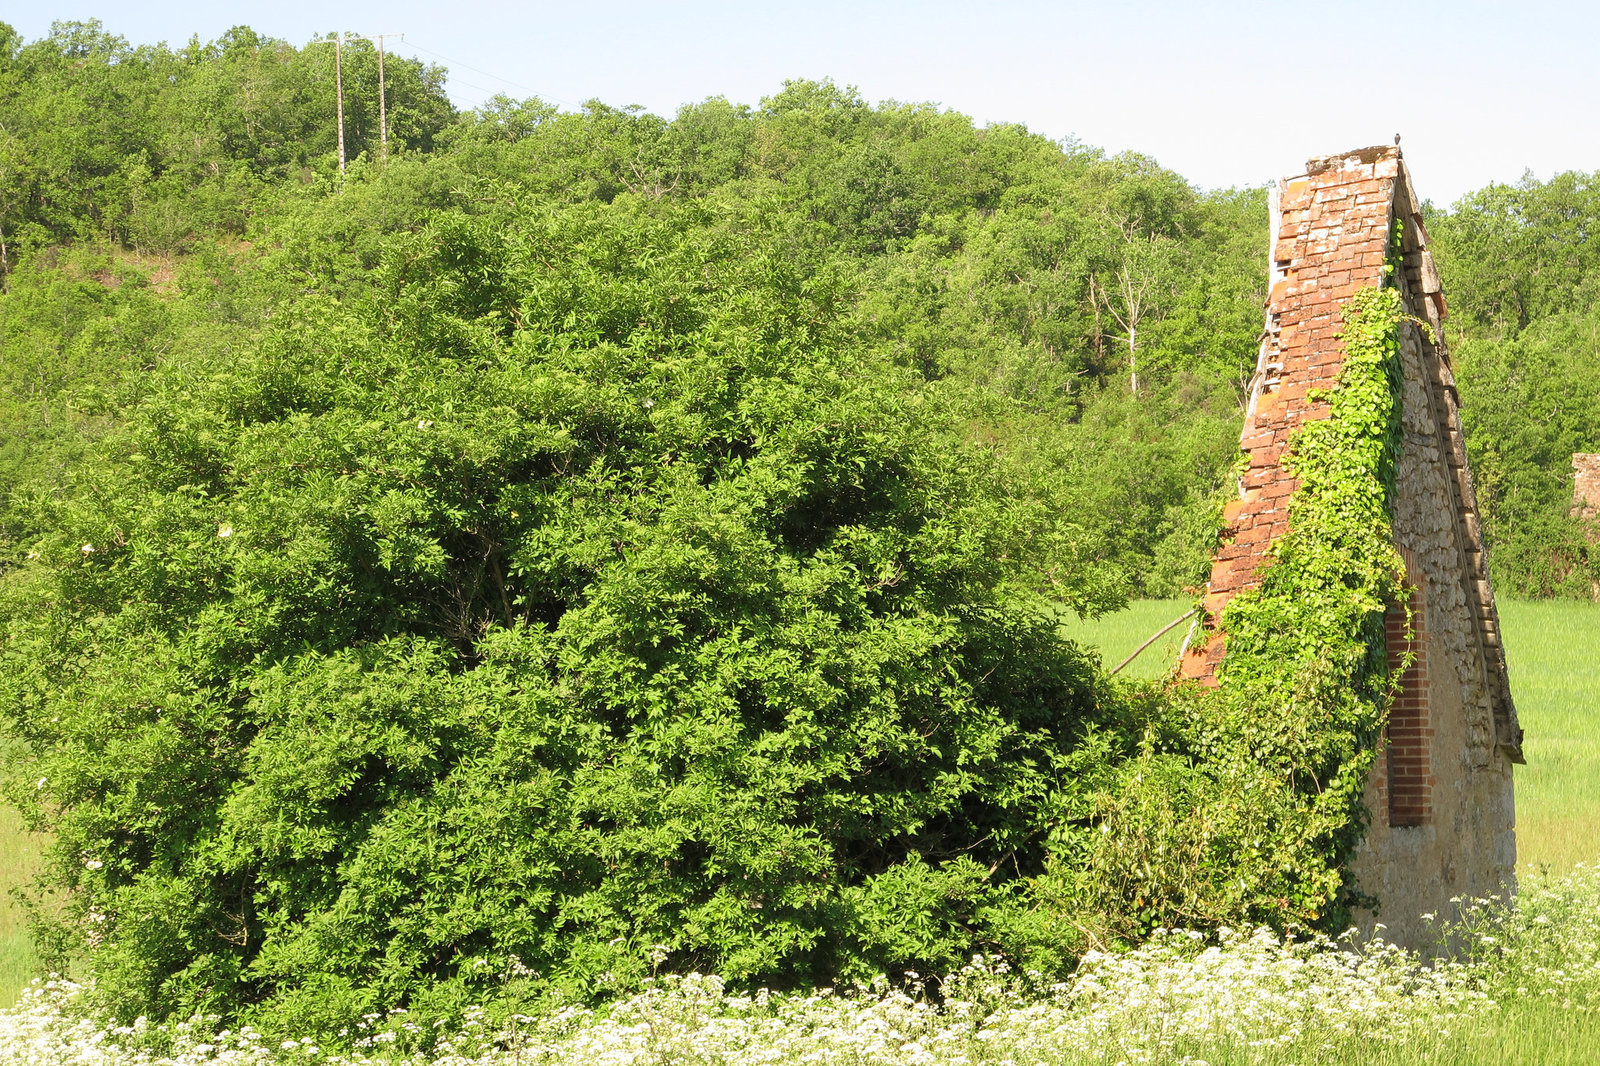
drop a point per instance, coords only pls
(1408, 738)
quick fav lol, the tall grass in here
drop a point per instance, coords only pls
(1554, 652)
(19, 858)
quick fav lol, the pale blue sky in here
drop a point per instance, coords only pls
(1226, 94)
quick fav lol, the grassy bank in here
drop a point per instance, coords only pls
(19, 857)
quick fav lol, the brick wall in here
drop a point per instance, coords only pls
(1331, 235)
(1440, 791)
(1407, 765)
(1331, 232)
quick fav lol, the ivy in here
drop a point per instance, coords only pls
(1247, 800)
(1306, 652)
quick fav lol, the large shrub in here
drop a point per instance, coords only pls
(586, 595)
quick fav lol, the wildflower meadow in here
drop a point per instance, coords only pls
(1182, 997)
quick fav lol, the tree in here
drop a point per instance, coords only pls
(557, 602)
(1132, 287)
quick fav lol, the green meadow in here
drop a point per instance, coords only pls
(19, 854)
(1116, 636)
(1554, 652)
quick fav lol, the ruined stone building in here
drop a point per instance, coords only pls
(1441, 789)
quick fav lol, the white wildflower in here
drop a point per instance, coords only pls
(1245, 994)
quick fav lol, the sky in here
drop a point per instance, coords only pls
(1224, 93)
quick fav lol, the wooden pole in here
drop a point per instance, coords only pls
(383, 95)
(1159, 634)
(338, 89)
(383, 110)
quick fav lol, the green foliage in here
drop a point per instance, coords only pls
(592, 538)
(977, 249)
(1248, 800)
(74, 327)
(1515, 254)
(1520, 266)
(1533, 400)
(154, 147)
(555, 602)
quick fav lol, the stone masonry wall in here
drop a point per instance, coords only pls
(1440, 792)
(1586, 485)
(1441, 789)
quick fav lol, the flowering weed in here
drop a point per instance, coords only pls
(1244, 997)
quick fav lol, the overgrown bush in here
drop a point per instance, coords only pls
(561, 603)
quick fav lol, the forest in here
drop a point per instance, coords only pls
(577, 544)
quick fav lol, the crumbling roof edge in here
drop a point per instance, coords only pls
(1422, 279)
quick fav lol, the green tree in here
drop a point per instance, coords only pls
(556, 602)
(1521, 273)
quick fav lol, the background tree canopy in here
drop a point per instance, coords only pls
(593, 536)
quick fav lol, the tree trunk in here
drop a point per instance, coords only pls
(1133, 366)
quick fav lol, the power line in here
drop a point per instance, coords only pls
(474, 85)
(486, 73)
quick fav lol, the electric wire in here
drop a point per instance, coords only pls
(454, 63)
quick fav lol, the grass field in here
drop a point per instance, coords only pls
(19, 855)
(1554, 652)
(1117, 635)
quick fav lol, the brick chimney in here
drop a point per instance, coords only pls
(1440, 789)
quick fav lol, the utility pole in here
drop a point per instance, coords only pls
(383, 92)
(338, 90)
